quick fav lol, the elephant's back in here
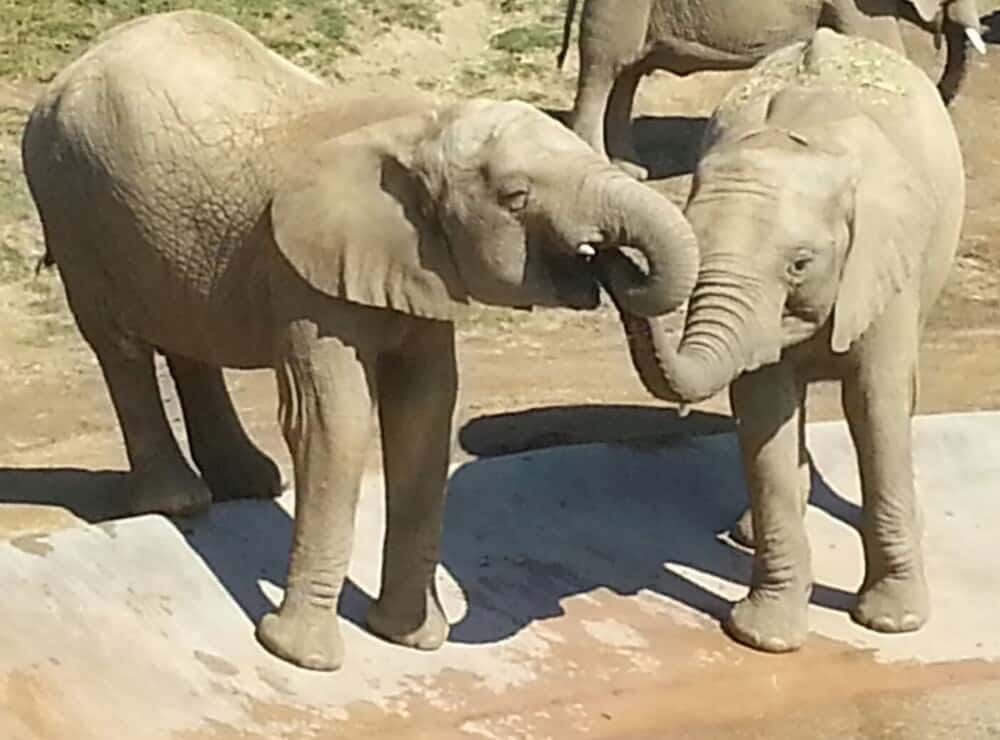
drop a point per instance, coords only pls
(146, 161)
(865, 76)
(164, 86)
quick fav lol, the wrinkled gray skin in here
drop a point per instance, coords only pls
(206, 199)
(827, 204)
(620, 42)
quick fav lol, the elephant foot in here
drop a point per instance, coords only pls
(308, 640)
(772, 621)
(893, 604)
(636, 171)
(247, 473)
(742, 531)
(167, 486)
(426, 633)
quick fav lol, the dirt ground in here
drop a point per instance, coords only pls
(527, 379)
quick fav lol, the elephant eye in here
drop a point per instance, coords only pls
(514, 200)
(512, 192)
(799, 265)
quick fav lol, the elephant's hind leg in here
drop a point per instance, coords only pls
(326, 388)
(417, 390)
(161, 480)
(231, 464)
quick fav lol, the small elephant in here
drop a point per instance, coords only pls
(620, 42)
(827, 204)
(206, 199)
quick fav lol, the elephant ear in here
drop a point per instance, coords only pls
(927, 9)
(891, 221)
(355, 224)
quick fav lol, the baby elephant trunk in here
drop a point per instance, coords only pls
(641, 218)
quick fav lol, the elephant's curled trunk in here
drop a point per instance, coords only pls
(959, 24)
(956, 60)
(641, 218)
(725, 334)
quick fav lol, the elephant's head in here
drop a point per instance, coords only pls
(962, 14)
(803, 238)
(491, 201)
(958, 22)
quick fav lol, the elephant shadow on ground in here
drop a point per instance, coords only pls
(243, 543)
(523, 533)
(667, 145)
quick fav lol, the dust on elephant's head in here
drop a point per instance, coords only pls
(482, 199)
(819, 234)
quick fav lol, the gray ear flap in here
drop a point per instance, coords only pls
(927, 9)
(353, 223)
(893, 213)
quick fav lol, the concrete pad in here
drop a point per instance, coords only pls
(584, 584)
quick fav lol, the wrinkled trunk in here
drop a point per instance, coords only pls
(960, 26)
(634, 215)
(732, 327)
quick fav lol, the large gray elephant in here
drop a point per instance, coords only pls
(206, 199)
(827, 205)
(621, 41)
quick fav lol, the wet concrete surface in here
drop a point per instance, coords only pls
(585, 585)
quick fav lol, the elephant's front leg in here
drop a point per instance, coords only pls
(742, 531)
(325, 392)
(610, 41)
(417, 390)
(878, 401)
(773, 616)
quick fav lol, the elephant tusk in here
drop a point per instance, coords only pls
(683, 411)
(586, 251)
(976, 39)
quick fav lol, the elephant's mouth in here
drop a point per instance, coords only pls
(576, 282)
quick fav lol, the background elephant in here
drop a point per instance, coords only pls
(827, 203)
(206, 199)
(618, 46)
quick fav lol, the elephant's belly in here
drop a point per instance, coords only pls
(215, 311)
(203, 331)
(726, 34)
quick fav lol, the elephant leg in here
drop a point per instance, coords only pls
(230, 463)
(878, 401)
(417, 390)
(593, 91)
(161, 480)
(610, 41)
(325, 387)
(621, 146)
(773, 617)
(742, 531)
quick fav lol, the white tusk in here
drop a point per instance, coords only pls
(976, 39)
(586, 250)
(683, 410)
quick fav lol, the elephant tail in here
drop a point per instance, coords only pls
(44, 262)
(567, 32)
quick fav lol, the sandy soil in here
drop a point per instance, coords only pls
(551, 377)
(557, 367)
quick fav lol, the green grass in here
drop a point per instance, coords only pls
(522, 39)
(38, 37)
(418, 15)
